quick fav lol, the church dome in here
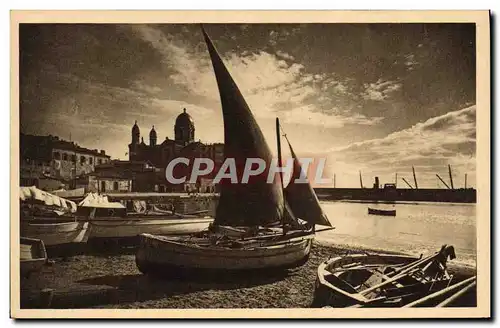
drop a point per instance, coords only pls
(184, 128)
(184, 119)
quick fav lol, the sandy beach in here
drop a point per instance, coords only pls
(111, 280)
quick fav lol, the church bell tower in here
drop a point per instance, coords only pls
(133, 147)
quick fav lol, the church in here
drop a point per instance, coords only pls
(160, 154)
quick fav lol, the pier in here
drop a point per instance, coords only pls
(394, 195)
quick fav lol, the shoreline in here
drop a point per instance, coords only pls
(455, 265)
(111, 280)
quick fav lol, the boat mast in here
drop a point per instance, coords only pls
(414, 177)
(300, 198)
(278, 139)
(451, 176)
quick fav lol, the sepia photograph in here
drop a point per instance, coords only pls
(286, 164)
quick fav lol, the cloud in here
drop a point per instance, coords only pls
(380, 90)
(429, 146)
(335, 86)
(307, 115)
(141, 86)
(273, 84)
(284, 55)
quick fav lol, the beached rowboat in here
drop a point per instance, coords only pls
(33, 255)
(110, 220)
(161, 254)
(55, 233)
(121, 228)
(373, 280)
(50, 218)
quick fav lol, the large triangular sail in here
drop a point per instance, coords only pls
(257, 202)
(301, 196)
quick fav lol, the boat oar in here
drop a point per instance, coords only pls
(390, 280)
(441, 292)
(458, 294)
(400, 273)
(412, 265)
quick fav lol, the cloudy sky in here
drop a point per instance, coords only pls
(372, 97)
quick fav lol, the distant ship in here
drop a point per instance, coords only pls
(376, 211)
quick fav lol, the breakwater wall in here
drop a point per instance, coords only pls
(185, 203)
(417, 195)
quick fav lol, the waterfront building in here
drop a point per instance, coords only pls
(51, 158)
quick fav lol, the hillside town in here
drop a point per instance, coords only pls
(51, 163)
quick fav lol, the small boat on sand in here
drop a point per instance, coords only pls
(164, 254)
(132, 227)
(55, 232)
(373, 280)
(376, 211)
(110, 220)
(33, 255)
(255, 226)
(50, 218)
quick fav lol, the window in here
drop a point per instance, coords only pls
(73, 158)
(115, 185)
(82, 159)
(103, 186)
(99, 161)
(65, 157)
(57, 155)
(91, 160)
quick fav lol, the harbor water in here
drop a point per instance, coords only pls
(417, 228)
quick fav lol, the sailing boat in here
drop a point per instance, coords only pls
(254, 227)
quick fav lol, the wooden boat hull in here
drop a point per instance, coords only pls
(118, 228)
(33, 255)
(375, 211)
(57, 233)
(156, 253)
(331, 291)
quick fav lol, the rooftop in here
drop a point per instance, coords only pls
(50, 141)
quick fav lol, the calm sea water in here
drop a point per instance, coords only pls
(417, 228)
